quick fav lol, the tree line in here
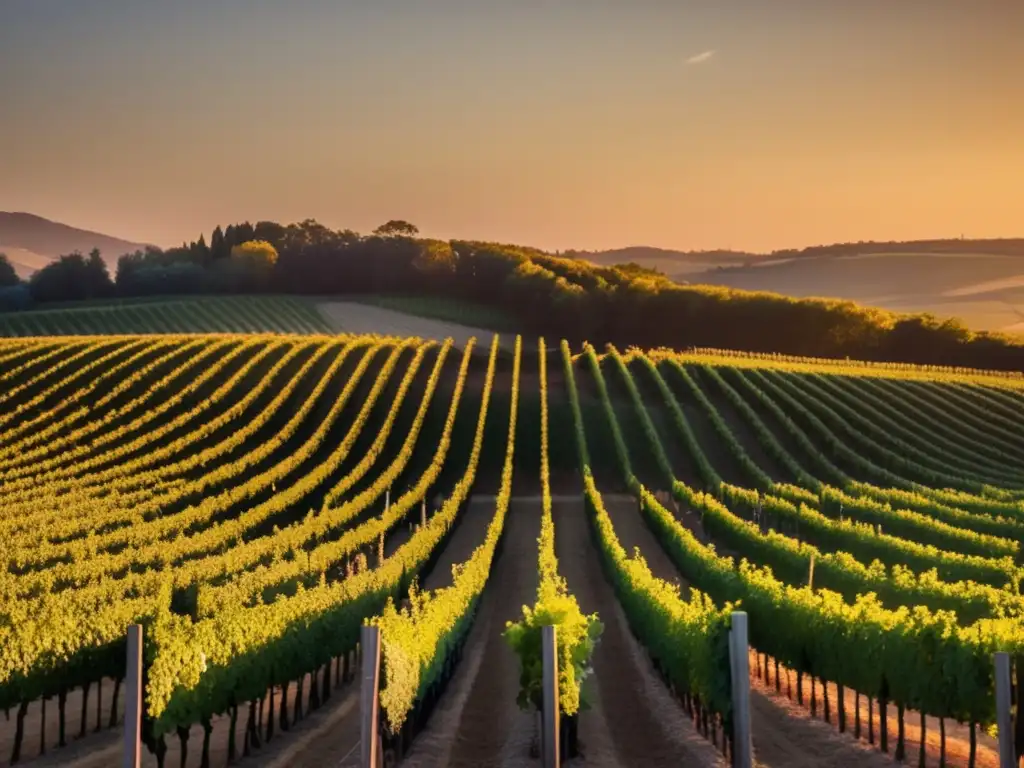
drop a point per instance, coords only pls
(545, 294)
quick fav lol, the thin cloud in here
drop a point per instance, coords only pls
(700, 58)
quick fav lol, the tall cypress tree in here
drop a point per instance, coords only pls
(219, 248)
(199, 251)
(244, 233)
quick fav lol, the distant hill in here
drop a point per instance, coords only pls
(673, 263)
(980, 281)
(31, 242)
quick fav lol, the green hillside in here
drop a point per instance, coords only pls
(242, 314)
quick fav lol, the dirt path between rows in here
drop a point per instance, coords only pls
(477, 722)
(104, 749)
(957, 747)
(75, 749)
(633, 720)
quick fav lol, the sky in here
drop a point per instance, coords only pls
(563, 124)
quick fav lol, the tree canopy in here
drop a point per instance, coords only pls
(258, 253)
(8, 277)
(72, 277)
(397, 228)
(545, 294)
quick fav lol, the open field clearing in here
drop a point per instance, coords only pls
(355, 317)
(440, 308)
(253, 499)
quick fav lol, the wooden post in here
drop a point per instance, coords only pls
(740, 669)
(1007, 758)
(551, 753)
(133, 700)
(369, 705)
(810, 575)
(387, 499)
(423, 514)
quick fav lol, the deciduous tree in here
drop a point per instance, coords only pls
(257, 253)
(397, 228)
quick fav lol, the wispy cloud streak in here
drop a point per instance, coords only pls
(700, 58)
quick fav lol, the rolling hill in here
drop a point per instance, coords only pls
(31, 242)
(676, 264)
(979, 281)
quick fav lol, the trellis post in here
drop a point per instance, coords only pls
(549, 723)
(133, 699)
(369, 700)
(739, 663)
(1004, 720)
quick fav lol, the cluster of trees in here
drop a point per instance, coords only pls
(234, 262)
(68, 278)
(241, 264)
(546, 294)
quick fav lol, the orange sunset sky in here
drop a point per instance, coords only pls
(753, 124)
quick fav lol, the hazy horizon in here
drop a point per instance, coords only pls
(586, 125)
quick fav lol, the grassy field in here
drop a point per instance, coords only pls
(447, 310)
(251, 499)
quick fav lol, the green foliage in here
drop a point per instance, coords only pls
(687, 638)
(418, 639)
(248, 314)
(168, 480)
(198, 667)
(576, 634)
(923, 657)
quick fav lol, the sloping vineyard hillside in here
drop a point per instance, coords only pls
(230, 314)
(252, 499)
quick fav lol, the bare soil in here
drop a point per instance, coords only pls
(104, 749)
(477, 722)
(633, 719)
(957, 734)
(74, 746)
